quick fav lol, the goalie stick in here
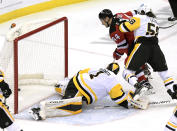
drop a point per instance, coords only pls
(154, 103)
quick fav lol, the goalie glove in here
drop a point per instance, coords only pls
(140, 103)
(6, 91)
(173, 92)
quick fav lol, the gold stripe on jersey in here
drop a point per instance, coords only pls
(128, 76)
(131, 54)
(130, 25)
(89, 88)
(81, 90)
(3, 107)
(168, 80)
(172, 125)
(117, 94)
(116, 91)
(84, 71)
(1, 76)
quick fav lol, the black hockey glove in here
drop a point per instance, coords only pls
(6, 91)
(171, 93)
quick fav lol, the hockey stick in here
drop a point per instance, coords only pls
(166, 27)
(155, 103)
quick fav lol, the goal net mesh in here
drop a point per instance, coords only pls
(36, 57)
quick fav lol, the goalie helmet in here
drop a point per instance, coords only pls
(105, 13)
(114, 67)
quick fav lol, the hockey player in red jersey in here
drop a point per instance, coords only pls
(124, 41)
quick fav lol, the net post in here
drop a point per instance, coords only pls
(15, 76)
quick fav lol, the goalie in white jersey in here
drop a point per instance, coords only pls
(146, 50)
(87, 85)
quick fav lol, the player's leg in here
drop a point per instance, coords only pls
(125, 99)
(173, 6)
(172, 122)
(137, 58)
(6, 120)
(159, 64)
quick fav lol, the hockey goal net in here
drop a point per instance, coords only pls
(39, 57)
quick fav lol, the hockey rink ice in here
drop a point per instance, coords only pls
(90, 46)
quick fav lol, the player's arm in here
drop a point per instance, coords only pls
(117, 54)
(125, 100)
(119, 39)
(130, 25)
(4, 87)
(131, 13)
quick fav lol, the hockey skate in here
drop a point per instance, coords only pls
(60, 87)
(35, 113)
(147, 72)
(141, 89)
(172, 19)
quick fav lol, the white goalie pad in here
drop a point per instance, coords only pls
(64, 107)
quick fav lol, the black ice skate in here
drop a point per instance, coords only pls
(35, 113)
(172, 19)
(141, 89)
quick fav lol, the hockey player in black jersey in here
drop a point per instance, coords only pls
(146, 50)
(6, 119)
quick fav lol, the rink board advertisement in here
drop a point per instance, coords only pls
(11, 9)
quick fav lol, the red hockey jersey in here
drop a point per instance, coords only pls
(123, 40)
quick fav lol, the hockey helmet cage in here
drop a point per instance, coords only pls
(105, 13)
(114, 67)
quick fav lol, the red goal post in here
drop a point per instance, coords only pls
(28, 34)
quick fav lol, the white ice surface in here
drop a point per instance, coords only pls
(90, 46)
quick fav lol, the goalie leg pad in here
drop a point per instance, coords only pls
(64, 107)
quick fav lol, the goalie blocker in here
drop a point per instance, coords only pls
(88, 86)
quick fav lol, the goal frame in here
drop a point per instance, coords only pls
(63, 19)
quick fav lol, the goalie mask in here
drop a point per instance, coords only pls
(114, 67)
